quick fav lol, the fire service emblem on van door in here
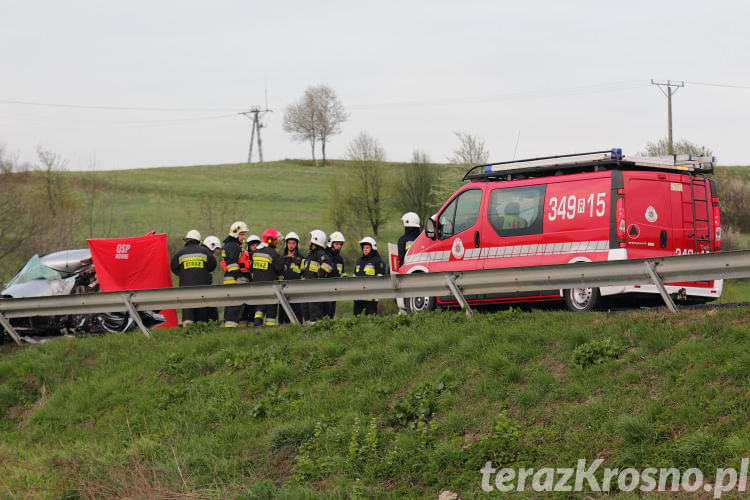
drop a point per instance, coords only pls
(458, 248)
(651, 214)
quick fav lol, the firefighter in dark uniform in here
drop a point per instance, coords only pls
(292, 271)
(267, 266)
(232, 258)
(369, 264)
(411, 231)
(317, 265)
(246, 265)
(214, 246)
(193, 264)
(335, 243)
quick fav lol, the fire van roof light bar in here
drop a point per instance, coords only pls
(582, 162)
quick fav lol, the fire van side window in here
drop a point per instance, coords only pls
(516, 211)
(460, 214)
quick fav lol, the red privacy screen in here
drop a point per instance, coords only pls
(134, 264)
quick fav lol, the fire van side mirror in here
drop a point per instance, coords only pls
(429, 228)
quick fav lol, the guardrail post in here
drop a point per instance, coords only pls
(451, 282)
(9, 328)
(285, 305)
(650, 267)
(135, 315)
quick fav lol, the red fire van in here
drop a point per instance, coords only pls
(572, 208)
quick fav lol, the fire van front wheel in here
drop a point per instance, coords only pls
(582, 299)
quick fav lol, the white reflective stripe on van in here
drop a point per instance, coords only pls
(514, 251)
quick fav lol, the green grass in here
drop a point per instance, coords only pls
(291, 195)
(384, 407)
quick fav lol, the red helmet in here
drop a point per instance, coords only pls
(271, 234)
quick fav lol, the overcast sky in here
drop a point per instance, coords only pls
(557, 77)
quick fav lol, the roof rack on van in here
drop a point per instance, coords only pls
(587, 162)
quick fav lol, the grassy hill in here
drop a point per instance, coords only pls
(385, 407)
(291, 195)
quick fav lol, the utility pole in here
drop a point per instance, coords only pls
(669, 93)
(254, 114)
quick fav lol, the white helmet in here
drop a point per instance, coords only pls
(237, 228)
(292, 236)
(318, 237)
(253, 238)
(369, 241)
(410, 219)
(212, 242)
(193, 234)
(337, 236)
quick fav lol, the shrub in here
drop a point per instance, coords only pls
(596, 352)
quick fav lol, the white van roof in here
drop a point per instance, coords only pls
(593, 161)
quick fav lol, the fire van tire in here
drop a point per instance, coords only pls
(582, 299)
(420, 304)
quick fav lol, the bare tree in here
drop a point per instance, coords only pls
(417, 191)
(300, 120)
(317, 116)
(471, 150)
(367, 192)
(331, 114)
(51, 167)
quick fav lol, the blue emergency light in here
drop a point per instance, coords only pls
(616, 154)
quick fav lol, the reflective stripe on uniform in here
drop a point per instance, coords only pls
(312, 266)
(259, 315)
(326, 267)
(233, 267)
(370, 270)
(260, 261)
(229, 324)
(229, 280)
(270, 322)
(193, 256)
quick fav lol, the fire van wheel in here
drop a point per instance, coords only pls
(582, 299)
(419, 304)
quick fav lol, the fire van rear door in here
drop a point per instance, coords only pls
(649, 230)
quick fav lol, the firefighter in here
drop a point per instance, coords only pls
(335, 243)
(252, 243)
(214, 246)
(512, 218)
(231, 255)
(194, 264)
(292, 271)
(411, 231)
(369, 264)
(317, 264)
(268, 266)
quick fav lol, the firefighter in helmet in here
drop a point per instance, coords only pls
(194, 264)
(231, 255)
(214, 246)
(267, 266)
(317, 264)
(411, 232)
(335, 243)
(368, 264)
(252, 242)
(292, 271)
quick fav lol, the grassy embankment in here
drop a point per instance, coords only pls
(388, 407)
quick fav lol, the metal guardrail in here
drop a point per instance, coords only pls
(656, 271)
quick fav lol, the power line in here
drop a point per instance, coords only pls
(520, 95)
(725, 85)
(117, 108)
